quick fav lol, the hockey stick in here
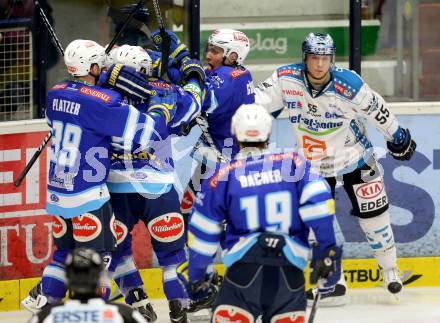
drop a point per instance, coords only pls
(52, 34)
(46, 139)
(166, 42)
(54, 37)
(166, 39)
(315, 304)
(127, 21)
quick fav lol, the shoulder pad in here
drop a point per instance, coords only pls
(346, 82)
(291, 70)
(100, 94)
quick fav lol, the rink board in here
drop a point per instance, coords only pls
(360, 273)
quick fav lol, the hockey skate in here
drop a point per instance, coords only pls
(35, 301)
(140, 302)
(177, 311)
(392, 281)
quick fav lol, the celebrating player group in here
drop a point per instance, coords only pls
(268, 212)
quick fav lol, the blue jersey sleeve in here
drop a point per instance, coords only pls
(205, 228)
(317, 207)
(125, 121)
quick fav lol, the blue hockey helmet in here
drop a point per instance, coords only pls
(318, 44)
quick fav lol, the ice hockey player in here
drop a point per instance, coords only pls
(83, 117)
(83, 272)
(141, 187)
(270, 202)
(326, 106)
(229, 85)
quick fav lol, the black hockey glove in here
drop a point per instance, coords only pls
(193, 69)
(201, 291)
(403, 147)
(326, 264)
(128, 82)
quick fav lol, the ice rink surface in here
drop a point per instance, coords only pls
(416, 305)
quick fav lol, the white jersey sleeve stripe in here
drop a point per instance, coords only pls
(203, 247)
(316, 211)
(312, 189)
(147, 132)
(205, 224)
(130, 126)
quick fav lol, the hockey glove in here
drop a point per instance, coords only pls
(202, 293)
(163, 103)
(402, 147)
(178, 50)
(172, 71)
(128, 82)
(193, 69)
(326, 264)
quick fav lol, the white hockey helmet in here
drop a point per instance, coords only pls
(80, 54)
(231, 41)
(134, 56)
(251, 123)
(110, 58)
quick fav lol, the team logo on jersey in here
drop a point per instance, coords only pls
(59, 227)
(138, 175)
(342, 90)
(159, 85)
(237, 73)
(292, 92)
(232, 314)
(314, 149)
(290, 317)
(187, 201)
(96, 94)
(54, 198)
(86, 227)
(371, 196)
(289, 71)
(61, 86)
(223, 172)
(119, 230)
(167, 227)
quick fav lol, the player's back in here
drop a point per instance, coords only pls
(277, 193)
(94, 310)
(229, 88)
(79, 157)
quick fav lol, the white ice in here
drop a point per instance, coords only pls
(416, 305)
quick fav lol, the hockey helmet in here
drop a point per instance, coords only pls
(231, 41)
(134, 56)
(83, 271)
(318, 44)
(251, 123)
(80, 54)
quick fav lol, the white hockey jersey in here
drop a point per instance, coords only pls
(328, 124)
(95, 310)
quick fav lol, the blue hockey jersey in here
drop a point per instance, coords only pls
(276, 193)
(151, 171)
(227, 88)
(83, 118)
